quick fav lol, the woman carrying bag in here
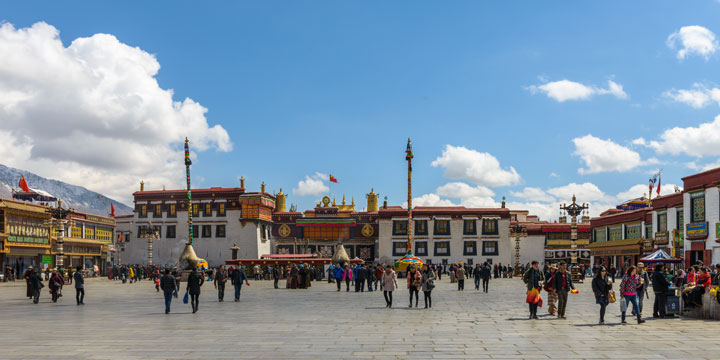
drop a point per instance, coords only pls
(428, 284)
(628, 290)
(601, 286)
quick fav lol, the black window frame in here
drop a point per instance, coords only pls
(465, 246)
(395, 231)
(205, 208)
(692, 207)
(474, 229)
(208, 233)
(218, 233)
(172, 211)
(487, 253)
(142, 211)
(435, 248)
(396, 250)
(195, 210)
(417, 248)
(435, 227)
(417, 227)
(170, 234)
(157, 214)
(497, 229)
(196, 231)
(221, 209)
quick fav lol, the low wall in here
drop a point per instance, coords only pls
(709, 310)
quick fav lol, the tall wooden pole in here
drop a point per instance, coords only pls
(409, 157)
(188, 162)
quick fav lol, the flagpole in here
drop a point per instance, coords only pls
(409, 157)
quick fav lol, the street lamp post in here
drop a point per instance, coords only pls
(59, 221)
(574, 210)
(151, 235)
(519, 231)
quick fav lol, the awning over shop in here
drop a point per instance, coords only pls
(325, 222)
(616, 247)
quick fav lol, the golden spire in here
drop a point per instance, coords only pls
(343, 202)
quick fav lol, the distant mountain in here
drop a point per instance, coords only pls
(76, 197)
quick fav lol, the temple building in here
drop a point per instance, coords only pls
(222, 218)
(317, 231)
(447, 234)
(26, 240)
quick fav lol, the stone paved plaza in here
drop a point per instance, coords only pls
(128, 322)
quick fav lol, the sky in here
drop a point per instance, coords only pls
(531, 101)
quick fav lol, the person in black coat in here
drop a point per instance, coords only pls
(276, 275)
(195, 281)
(36, 285)
(169, 287)
(237, 278)
(477, 275)
(601, 286)
(485, 276)
(360, 280)
(660, 287)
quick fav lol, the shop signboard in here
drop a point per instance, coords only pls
(697, 230)
(661, 238)
(47, 259)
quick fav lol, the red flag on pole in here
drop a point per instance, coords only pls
(333, 179)
(112, 210)
(658, 187)
(23, 184)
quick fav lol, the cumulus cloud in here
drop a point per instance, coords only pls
(476, 167)
(93, 113)
(641, 190)
(533, 194)
(462, 190)
(564, 90)
(701, 140)
(698, 97)
(604, 155)
(693, 40)
(312, 185)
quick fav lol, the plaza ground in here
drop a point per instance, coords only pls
(127, 321)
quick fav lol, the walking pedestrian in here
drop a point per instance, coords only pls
(550, 288)
(169, 287)
(601, 286)
(413, 283)
(628, 289)
(644, 282)
(29, 287)
(460, 272)
(428, 284)
(56, 284)
(533, 279)
(79, 286)
(219, 282)
(477, 274)
(389, 284)
(660, 287)
(275, 276)
(195, 281)
(361, 277)
(347, 277)
(338, 275)
(369, 274)
(237, 279)
(36, 285)
(563, 285)
(485, 274)
(378, 275)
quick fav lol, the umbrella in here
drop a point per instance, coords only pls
(660, 256)
(407, 260)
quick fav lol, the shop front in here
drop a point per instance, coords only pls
(84, 253)
(617, 253)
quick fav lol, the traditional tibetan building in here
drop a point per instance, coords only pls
(222, 218)
(317, 231)
(447, 234)
(89, 242)
(24, 237)
(558, 243)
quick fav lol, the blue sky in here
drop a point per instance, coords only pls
(338, 87)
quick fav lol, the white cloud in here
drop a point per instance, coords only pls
(461, 190)
(698, 97)
(694, 141)
(312, 185)
(476, 167)
(93, 114)
(553, 174)
(430, 200)
(585, 192)
(704, 167)
(564, 90)
(693, 40)
(640, 141)
(533, 194)
(641, 190)
(604, 155)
